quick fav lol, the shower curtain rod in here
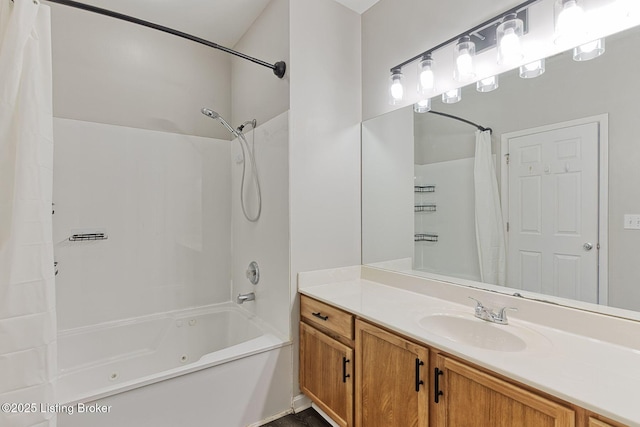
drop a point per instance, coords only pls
(460, 119)
(279, 68)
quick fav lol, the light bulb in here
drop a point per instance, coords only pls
(464, 63)
(422, 106)
(464, 52)
(396, 91)
(452, 96)
(589, 50)
(426, 77)
(488, 84)
(508, 36)
(532, 69)
(510, 46)
(570, 22)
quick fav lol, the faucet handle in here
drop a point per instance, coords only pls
(501, 316)
(480, 311)
(478, 303)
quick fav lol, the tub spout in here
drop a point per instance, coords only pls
(246, 297)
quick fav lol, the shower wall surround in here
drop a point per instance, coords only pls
(453, 220)
(265, 241)
(164, 202)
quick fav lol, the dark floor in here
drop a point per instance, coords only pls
(306, 418)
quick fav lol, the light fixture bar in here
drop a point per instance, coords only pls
(454, 39)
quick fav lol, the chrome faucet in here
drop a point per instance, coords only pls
(481, 312)
(246, 297)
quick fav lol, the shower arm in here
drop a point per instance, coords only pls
(279, 68)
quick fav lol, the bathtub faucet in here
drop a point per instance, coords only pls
(246, 297)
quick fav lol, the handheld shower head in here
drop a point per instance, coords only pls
(210, 113)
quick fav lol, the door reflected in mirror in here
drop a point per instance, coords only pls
(566, 157)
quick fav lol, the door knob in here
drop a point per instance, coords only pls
(587, 246)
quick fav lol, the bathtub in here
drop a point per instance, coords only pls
(190, 367)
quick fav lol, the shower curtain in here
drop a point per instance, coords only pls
(27, 297)
(489, 231)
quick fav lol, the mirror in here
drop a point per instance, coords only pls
(418, 186)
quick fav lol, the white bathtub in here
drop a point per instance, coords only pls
(212, 355)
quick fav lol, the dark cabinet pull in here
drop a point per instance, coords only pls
(344, 369)
(320, 316)
(436, 386)
(419, 382)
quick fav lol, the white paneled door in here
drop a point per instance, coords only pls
(553, 212)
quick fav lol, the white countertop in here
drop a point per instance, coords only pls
(601, 376)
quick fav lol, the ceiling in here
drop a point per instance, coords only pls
(359, 6)
(220, 21)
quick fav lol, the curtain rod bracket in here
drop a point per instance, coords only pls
(279, 69)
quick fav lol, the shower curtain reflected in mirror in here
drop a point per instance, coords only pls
(488, 214)
(27, 293)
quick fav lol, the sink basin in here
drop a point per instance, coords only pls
(466, 329)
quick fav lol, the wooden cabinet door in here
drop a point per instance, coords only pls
(326, 374)
(474, 398)
(594, 422)
(391, 380)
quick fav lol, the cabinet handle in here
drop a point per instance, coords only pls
(436, 383)
(344, 369)
(320, 316)
(418, 380)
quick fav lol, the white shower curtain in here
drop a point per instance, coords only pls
(27, 296)
(489, 231)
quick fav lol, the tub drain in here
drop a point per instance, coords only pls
(113, 376)
(184, 358)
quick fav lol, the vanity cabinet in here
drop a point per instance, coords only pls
(398, 382)
(326, 359)
(392, 379)
(469, 397)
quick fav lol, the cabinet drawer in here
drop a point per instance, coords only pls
(326, 316)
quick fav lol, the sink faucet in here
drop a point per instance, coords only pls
(481, 312)
(246, 297)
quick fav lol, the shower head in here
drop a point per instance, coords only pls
(210, 113)
(207, 112)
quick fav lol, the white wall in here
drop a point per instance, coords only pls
(265, 241)
(257, 92)
(387, 187)
(114, 72)
(324, 156)
(164, 201)
(325, 136)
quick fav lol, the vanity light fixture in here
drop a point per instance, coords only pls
(570, 22)
(422, 106)
(589, 50)
(396, 90)
(513, 23)
(508, 35)
(487, 85)
(452, 96)
(463, 54)
(426, 77)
